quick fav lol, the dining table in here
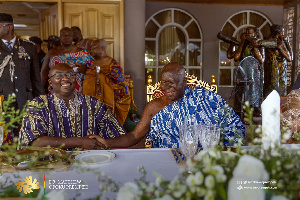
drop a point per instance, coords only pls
(84, 177)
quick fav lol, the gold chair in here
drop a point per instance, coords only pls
(154, 91)
(129, 82)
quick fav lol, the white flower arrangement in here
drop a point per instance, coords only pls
(256, 174)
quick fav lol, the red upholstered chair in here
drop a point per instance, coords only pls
(154, 91)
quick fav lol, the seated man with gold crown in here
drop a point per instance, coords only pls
(162, 117)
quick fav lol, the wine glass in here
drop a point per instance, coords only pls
(204, 136)
(188, 139)
(209, 135)
(215, 137)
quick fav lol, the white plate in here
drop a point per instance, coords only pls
(95, 157)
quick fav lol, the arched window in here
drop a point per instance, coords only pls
(172, 35)
(234, 27)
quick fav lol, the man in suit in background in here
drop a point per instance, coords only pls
(19, 65)
(38, 45)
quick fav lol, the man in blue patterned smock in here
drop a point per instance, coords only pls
(67, 118)
(162, 117)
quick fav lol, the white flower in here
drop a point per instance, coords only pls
(201, 191)
(275, 153)
(258, 130)
(286, 135)
(209, 181)
(129, 191)
(288, 166)
(57, 195)
(237, 191)
(165, 197)
(199, 178)
(212, 153)
(200, 155)
(278, 197)
(247, 103)
(218, 169)
(221, 178)
(191, 180)
(159, 179)
(209, 195)
(278, 163)
(173, 183)
(257, 140)
(251, 168)
(181, 189)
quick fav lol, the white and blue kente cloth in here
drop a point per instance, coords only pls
(207, 106)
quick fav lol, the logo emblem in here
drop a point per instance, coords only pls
(27, 185)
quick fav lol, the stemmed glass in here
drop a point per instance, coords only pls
(209, 135)
(188, 139)
(215, 137)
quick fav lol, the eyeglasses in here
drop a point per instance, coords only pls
(62, 75)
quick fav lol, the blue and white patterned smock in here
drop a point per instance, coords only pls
(207, 106)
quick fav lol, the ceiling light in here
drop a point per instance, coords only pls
(20, 25)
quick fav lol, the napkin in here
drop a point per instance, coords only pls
(271, 120)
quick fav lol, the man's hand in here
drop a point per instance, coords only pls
(255, 42)
(99, 140)
(91, 144)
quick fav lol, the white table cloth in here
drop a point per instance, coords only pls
(123, 168)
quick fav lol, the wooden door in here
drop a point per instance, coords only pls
(48, 24)
(100, 21)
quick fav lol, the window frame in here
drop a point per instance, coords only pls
(188, 40)
(237, 29)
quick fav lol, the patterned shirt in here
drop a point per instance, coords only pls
(207, 106)
(85, 116)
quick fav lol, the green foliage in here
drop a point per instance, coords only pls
(9, 116)
(11, 154)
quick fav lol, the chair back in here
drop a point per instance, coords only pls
(154, 91)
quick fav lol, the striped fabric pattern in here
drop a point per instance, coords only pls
(85, 116)
(207, 106)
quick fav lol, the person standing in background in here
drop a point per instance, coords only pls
(52, 42)
(19, 65)
(81, 43)
(41, 54)
(77, 58)
(108, 84)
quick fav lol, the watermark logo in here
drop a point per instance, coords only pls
(240, 187)
(28, 185)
